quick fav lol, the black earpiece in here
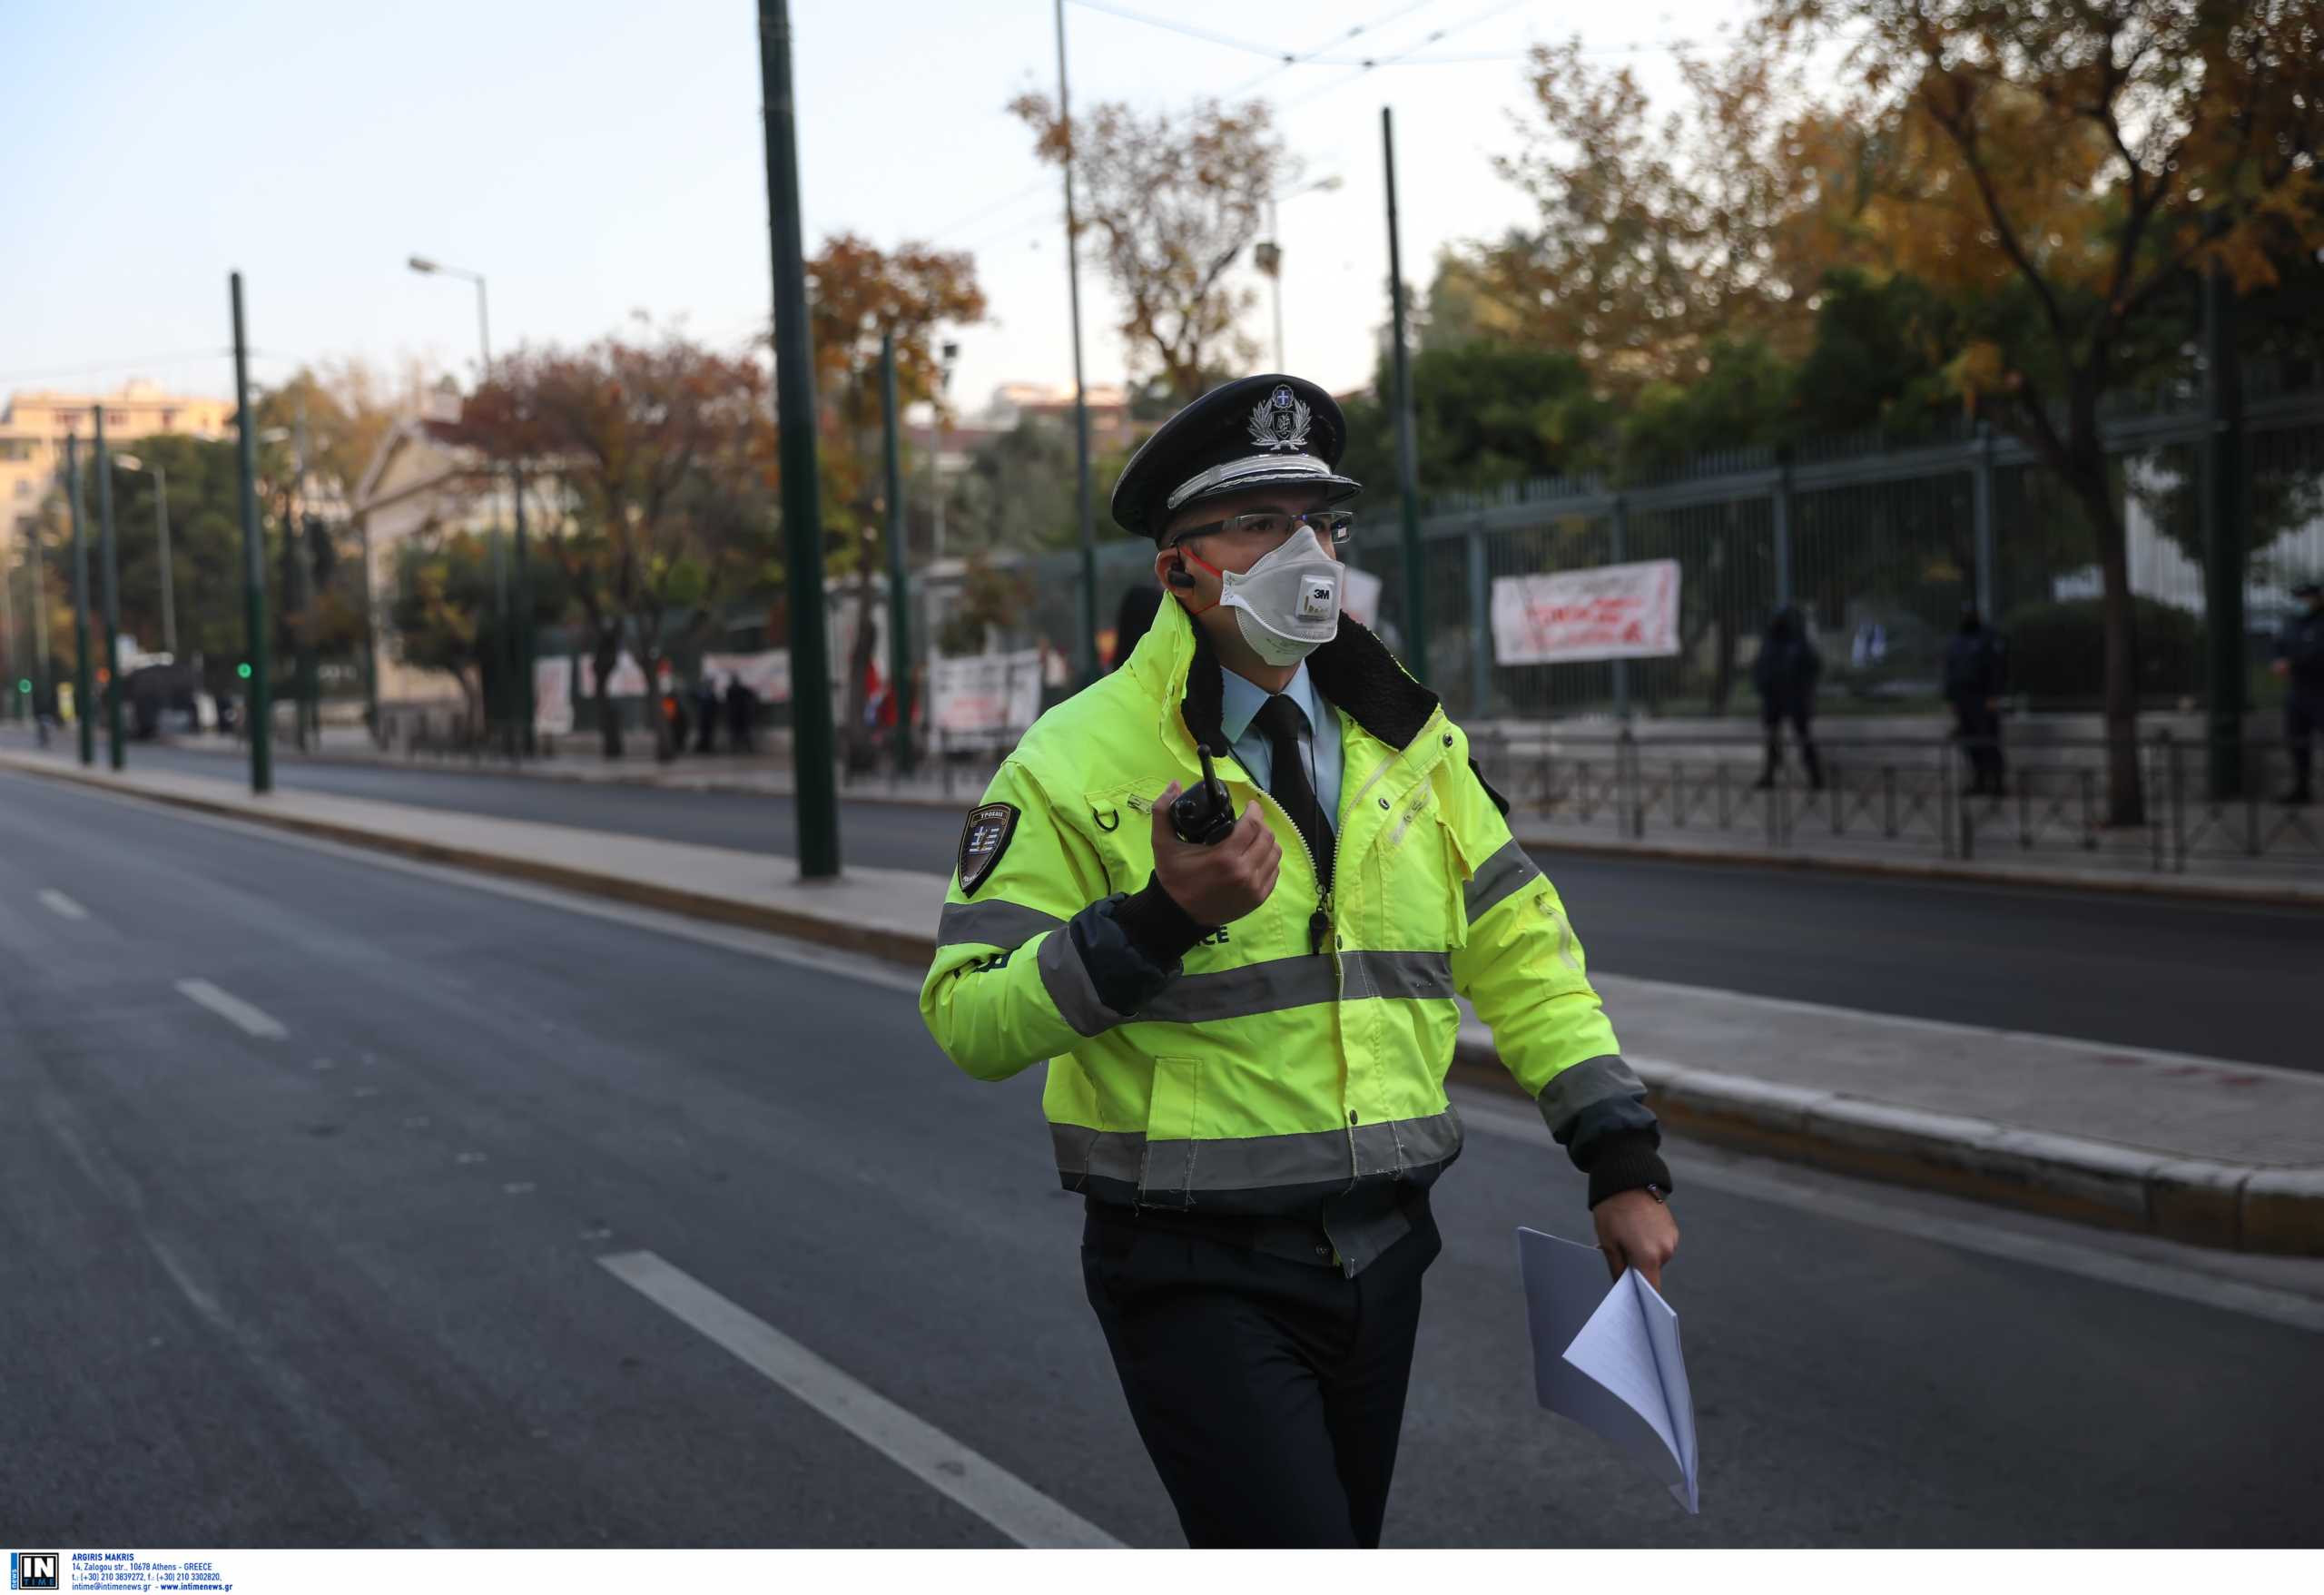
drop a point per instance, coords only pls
(1180, 576)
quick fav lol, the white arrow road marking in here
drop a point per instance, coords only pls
(228, 1007)
(62, 906)
(921, 1450)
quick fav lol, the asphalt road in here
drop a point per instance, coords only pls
(2218, 981)
(342, 1285)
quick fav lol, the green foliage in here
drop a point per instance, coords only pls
(2062, 646)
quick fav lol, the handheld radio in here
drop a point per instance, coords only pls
(1204, 814)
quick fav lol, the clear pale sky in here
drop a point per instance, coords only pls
(593, 159)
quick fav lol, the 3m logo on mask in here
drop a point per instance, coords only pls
(1319, 600)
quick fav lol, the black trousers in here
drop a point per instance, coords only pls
(1802, 727)
(1270, 1393)
(1979, 730)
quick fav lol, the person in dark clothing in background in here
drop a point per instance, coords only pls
(742, 714)
(2300, 660)
(705, 713)
(1784, 674)
(1976, 672)
(1132, 617)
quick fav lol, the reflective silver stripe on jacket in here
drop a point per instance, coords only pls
(1496, 879)
(1576, 1085)
(1248, 1163)
(1279, 983)
(993, 923)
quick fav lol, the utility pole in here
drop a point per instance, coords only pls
(113, 595)
(43, 688)
(303, 562)
(88, 727)
(1080, 391)
(8, 638)
(1407, 463)
(899, 594)
(814, 773)
(2226, 526)
(258, 708)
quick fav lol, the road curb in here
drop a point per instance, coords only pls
(830, 929)
(2249, 1207)
(2259, 894)
(2236, 1206)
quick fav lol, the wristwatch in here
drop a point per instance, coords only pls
(1656, 1192)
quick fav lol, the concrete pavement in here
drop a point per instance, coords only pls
(351, 1285)
(2189, 1147)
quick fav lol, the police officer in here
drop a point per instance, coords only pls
(2300, 660)
(1247, 1037)
(1975, 675)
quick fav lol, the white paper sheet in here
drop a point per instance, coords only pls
(1609, 1358)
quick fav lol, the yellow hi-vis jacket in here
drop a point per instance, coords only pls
(1300, 1052)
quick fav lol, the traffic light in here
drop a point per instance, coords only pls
(24, 684)
(243, 670)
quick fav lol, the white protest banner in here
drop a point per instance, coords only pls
(985, 693)
(1608, 612)
(1360, 597)
(553, 696)
(767, 673)
(628, 679)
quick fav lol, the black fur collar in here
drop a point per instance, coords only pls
(1353, 671)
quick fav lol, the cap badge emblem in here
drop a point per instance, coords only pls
(1280, 420)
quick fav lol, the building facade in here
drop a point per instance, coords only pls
(34, 426)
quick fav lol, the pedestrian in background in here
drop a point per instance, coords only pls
(1976, 674)
(2299, 661)
(705, 712)
(1784, 674)
(742, 714)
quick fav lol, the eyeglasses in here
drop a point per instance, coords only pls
(1272, 527)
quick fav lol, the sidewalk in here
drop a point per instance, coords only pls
(2193, 1149)
(2289, 878)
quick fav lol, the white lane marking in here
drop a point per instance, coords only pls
(1993, 1239)
(998, 1496)
(62, 906)
(228, 1007)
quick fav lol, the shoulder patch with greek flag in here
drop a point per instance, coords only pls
(983, 840)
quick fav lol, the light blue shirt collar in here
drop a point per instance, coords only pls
(1241, 700)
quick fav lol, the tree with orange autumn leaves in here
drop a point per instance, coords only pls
(2054, 175)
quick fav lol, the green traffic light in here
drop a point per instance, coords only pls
(24, 684)
(243, 671)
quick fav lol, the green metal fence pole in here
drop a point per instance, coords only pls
(1407, 457)
(814, 773)
(898, 591)
(2225, 476)
(258, 708)
(88, 727)
(112, 573)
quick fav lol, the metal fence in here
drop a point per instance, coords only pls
(1891, 795)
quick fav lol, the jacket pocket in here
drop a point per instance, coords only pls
(1173, 1125)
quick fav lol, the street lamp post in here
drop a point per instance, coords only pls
(1269, 256)
(130, 462)
(516, 632)
(113, 596)
(935, 447)
(87, 727)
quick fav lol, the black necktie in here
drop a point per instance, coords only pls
(1281, 722)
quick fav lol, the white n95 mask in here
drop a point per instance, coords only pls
(1287, 604)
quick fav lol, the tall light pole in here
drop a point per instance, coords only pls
(516, 635)
(130, 462)
(258, 711)
(952, 352)
(1268, 255)
(1081, 389)
(113, 594)
(8, 637)
(813, 775)
(81, 674)
(1407, 467)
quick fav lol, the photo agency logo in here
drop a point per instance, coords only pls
(32, 1570)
